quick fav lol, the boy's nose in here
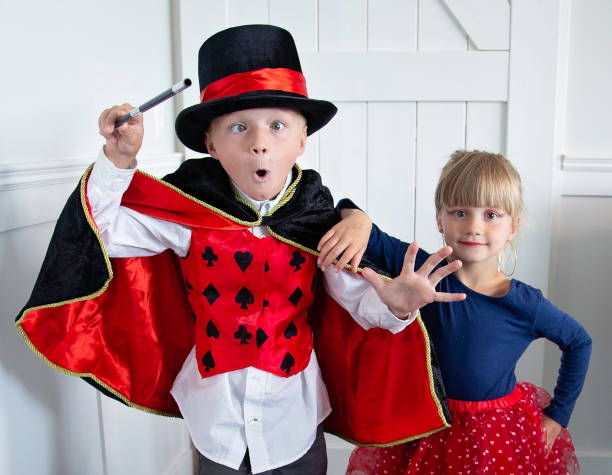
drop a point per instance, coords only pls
(258, 143)
(259, 149)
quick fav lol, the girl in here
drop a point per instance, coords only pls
(498, 426)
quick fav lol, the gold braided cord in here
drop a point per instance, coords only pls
(95, 294)
(389, 444)
(200, 202)
(445, 423)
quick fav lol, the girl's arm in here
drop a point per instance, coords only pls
(347, 240)
(575, 344)
(382, 250)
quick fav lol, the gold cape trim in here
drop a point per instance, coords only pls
(95, 294)
(289, 192)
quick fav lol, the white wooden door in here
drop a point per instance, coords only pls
(415, 80)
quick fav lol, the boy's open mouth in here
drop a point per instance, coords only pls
(261, 173)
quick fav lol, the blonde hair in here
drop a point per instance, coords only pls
(475, 178)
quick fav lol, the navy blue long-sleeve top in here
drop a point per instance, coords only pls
(479, 340)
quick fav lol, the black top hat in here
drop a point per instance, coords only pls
(246, 67)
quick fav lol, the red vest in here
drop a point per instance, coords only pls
(250, 299)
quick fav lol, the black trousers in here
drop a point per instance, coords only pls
(313, 462)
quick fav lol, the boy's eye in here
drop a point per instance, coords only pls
(491, 215)
(238, 128)
(460, 213)
(277, 125)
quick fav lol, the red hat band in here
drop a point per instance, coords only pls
(278, 79)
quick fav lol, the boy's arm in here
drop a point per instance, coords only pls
(126, 233)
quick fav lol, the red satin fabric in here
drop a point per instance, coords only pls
(135, 336)
(280, 79)
(134, 341)
(478, 406)
(227, 326)
(357, 366)
(154, 198)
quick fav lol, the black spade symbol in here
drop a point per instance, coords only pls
(211, 330)
(287, 363)
(243, 259)
(261, 337)
(297, 260)
(209, 256)
(243, 335)
(208, 361)
(290, 331)
(244, 297)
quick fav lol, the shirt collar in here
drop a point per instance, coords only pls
(264, 206)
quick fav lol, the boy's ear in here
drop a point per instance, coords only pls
(210, 146)
(303, 140)
(439, 223)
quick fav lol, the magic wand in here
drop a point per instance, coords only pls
(167, 94)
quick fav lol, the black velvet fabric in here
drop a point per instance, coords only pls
(304, 219)
(246, 48)
(74, 264)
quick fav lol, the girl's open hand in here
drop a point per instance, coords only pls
(411, 289)
(349, 237)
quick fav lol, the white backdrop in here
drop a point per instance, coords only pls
(413, 81)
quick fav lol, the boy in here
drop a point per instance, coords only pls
(245, 225)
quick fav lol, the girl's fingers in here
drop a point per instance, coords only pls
(410, 258)
(328, 254)
(356, 260)
(326, 237)
(448, 297)
(443, 271)
(374, 279)
(433, 260)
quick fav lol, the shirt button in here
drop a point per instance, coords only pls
(253, 420)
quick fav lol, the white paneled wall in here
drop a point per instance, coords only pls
(65, 62)
(413, 80)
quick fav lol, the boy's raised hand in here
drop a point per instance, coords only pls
(123, 142)
(349, 237)
(411, 289)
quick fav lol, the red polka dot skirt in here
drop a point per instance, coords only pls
(502, 436)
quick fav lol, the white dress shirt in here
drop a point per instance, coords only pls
(275, 417)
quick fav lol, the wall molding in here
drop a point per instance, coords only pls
(18, 175)
(584, 164)
(33, 193)
(586, 176)
(408, 76)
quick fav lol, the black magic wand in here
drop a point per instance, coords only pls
(178, 87)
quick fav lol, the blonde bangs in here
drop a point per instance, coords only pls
(480, 179)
